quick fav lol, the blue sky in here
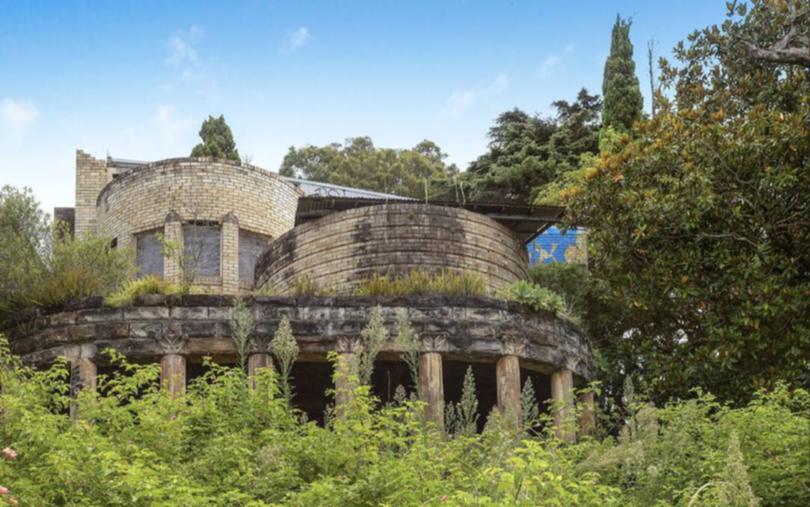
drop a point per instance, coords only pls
(135, 79)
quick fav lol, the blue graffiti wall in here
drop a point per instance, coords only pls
(552, 245)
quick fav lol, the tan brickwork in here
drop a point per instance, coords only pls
(91, 176)
(341, 249)
(192, 189)
(173, 235)
(229, 269)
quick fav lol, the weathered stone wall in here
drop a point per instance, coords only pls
(460, 328)
(341, 249)
(196, 189)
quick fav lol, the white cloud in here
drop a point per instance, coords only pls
(16, 116)
(552, 61)
(182, 45)
(461, 100)
(297, 39)
(169, 124)
(548, 66)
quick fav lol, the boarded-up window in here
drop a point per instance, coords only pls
(149, 253)
(251, 245)
(201, 249)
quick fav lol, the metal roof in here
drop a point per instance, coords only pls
(525, 220)
(317, 188)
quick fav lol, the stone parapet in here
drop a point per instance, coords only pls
(471, 328)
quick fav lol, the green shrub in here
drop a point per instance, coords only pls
(224, 443)
(445, 282)
(571, 281)
(536, 297)
(151, 284)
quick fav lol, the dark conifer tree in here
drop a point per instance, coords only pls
(217, 140)
(620, 88)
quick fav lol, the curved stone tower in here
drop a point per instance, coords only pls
(341, 249)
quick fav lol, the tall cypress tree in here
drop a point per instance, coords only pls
(620, 88)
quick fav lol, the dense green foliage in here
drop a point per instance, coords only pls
(537, 297)
(698, 224)
(527, 152)
(41, 265)
(225, 444)
(217, 140)
(620, 89)
(417, 172)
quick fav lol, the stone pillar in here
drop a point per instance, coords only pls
(562, 395)
(173, 236)
(88, 373)
(587, 414)
(346, 372)
(257, 362)
(173, 374)
(431, 377)
(229, 262)
(83, 373)
(508, 384)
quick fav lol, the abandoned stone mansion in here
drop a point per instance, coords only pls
(253, 232)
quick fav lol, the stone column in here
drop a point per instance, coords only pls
(508, 383)
(508, 380)
(346, 372)
(83, 373)
(257, 362)
(229, 263)
(431, 378)
(173, 374)
(587, 414)
(562, 394)
(173, 235)
(88, 373)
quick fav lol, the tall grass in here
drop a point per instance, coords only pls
(445, 282)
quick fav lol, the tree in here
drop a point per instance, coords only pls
(412, 172)
(698, 222)
(25, 233)
(217, 140)
(620, 88)
(527, 152)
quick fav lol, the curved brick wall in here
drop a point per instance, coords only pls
(341, 249)
(199, 189)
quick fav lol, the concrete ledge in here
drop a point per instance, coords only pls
(475, 329)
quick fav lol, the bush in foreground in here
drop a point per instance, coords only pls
(225, 444)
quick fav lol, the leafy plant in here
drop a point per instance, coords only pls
(372, 339)
(285, 347)
(407, 341)
(462, 418)
(536, 297)
(528, 404)
(241, 323)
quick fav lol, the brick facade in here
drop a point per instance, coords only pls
(341, 249)
(167, 194)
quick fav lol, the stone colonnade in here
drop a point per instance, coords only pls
(431, 384)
